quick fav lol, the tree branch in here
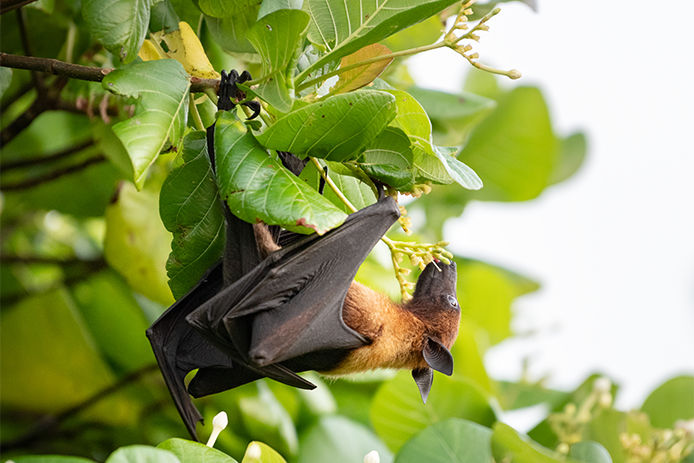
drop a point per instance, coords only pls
(9, 5)
(50, 423)
(32, 182)
(77, 71)
(18, 164)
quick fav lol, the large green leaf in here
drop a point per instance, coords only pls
(342, 28)
(276, 38)
(190, 209)
(397, 411)
(453, 116)
(336, 439)
(337, 128)
(572, 153)
(115, 320)
(432, 162)
(389, 159)
(449, 441)
(189, 451)
(136, 244)
(263, 415)
(257, 187)
(589, 452)
(161, 111)
(514, 149)
(230, 32)
(142, 454)
(120, 25)
(45, 343)
(671, 401)
(352, 182)
(508, 445)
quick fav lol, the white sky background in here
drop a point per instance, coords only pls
(614, 246)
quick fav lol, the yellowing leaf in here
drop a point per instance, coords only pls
(183, 46)
(362, 75)
(149, 52)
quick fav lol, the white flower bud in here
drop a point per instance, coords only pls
(253, 452)
(685, 425)
(602, 385)
(219, 422)
(372, 457)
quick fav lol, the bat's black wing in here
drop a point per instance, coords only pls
(290, 305)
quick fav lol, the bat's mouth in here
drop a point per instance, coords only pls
(436, 279)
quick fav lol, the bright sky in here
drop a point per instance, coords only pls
(613, 246)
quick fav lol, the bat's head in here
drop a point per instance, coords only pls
(435, 303)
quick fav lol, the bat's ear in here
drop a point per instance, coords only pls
(423, 377)
(438, 357)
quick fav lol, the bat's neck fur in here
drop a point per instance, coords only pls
(397, 331)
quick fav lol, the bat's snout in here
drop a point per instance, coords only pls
(437, 279)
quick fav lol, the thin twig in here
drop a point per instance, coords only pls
(24, 37)
(18, 164)
(32, 182)
(50, 423)
(9, 5)
(23, 121)
(77, 71)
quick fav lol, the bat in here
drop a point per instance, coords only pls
(272, 311)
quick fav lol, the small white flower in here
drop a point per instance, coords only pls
(372, 457)
(219, 422)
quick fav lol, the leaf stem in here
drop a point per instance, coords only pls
(197, 120)
(411, 51)
(332, 185)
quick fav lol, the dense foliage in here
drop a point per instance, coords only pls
(110, 211)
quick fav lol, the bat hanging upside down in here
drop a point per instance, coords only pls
(281, 303)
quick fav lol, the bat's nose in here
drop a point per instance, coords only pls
(260, 357)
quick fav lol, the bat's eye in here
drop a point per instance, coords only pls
(452, 301)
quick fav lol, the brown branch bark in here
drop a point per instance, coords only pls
(49, 423)
(32, 182)
(9, 5)
(77, 71)
(18, 164)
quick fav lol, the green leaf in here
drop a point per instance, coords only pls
(276, 38)
(115, 320)
(449, 441)
(230, 32)
(223, 9)
(136, 244)
(161, 111)
(337, 128)
(469, 362)
(389, 159)
(487, 293)
(270, 6)
(45, 342)
(189, 451)
(263, 415)
(258, 452)
(515, 395)
(453, 116)
(120, 25)
(190, 208)
(572, 153)
(514, 149)
(510, 446)
(432, 162)
(49, 459)
(671, 401)
(342, 28)
(423, 33)
(397, 411)
(5, 80)
(257, 187)
(141, 454)
(589, 452)
(336, 439)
